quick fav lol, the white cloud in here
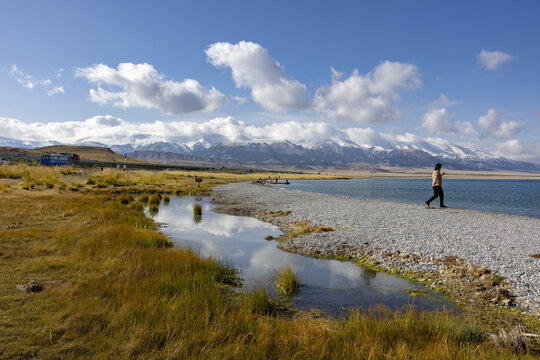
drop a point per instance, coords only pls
(143, 86)
(442, 102)
(518, 150)
(366, 137)
(111, 130)
(239, 99)
(493, 127)
(489, 121)
(439, 121)
(466, 129)
(491, 60)
(29, 82)
(365, 99)
(25, 80)
(253, 67)
(336, 75)
(56, 90)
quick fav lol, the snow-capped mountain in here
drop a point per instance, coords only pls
(24, 144)
(332, 152)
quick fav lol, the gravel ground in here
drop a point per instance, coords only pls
(501, 243)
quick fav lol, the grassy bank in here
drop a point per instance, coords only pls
(113, 288)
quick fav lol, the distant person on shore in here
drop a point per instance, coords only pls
(437, 186)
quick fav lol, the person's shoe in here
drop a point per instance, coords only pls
(427, 204)
(443, 206)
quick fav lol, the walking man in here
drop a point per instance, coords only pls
(437, 186)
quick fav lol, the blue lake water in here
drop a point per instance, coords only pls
(516, 197)
(329, 285)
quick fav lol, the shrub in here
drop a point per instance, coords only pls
(126, 199)
(154, 200)
(197, 209)
(153, 209)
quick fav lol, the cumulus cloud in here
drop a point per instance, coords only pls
(143, 86)
(111, 130)
(254, 68)
(493, 127)
(366, 99)
(518, 150)
(491, 60)
(440, 121)
(29, 82)
(466, 129)
(367, 137)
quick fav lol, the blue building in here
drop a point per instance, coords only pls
(54, 159)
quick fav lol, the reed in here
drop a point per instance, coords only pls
(287, 282)
(12, 171)
(197, 209)
(41, 176)
(155, 200)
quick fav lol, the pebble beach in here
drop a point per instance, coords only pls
(420, 236)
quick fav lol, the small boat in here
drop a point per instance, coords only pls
(273, 182)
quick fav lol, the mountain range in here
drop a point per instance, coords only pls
(336, 153)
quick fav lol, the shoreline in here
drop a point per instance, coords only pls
(466, 253)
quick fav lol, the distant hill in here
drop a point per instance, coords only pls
(85, 152)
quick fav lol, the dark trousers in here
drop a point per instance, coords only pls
(437, 191)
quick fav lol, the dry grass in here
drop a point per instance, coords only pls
(516, 339)
(304, 227)
(287, 282)
(4, 186)
(124, 294)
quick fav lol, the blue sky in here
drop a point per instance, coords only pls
(479, 59)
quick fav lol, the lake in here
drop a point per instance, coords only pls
(516, 197)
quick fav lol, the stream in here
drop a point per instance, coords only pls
(332, 286)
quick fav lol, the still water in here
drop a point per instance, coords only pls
(329, 285)
(515, 197)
